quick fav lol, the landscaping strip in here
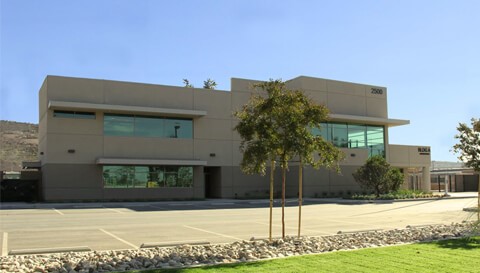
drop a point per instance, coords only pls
(455, 255)
(241, 251)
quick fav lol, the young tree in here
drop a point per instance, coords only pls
(187, 83)
(469, 149)
(259, 143)
(379, 176)
(209, 84)
(277, 126)
(311, 149)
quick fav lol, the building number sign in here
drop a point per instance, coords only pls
(376, 91)
(424, 150)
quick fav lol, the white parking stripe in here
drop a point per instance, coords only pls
(115, 210)
(4, 244)
(57, 211)
(214, 233)
(118, 238)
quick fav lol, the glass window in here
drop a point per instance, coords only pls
(375, 140)
(85, 115)
(118, 176)
(323, 131)
(185, 176)
(63, 114)
(141, 177)
(73, 114)
(149, 126)
(156, 177)
(339, 135)
(178, 128)
(356, 136)
(118, 125)
(147, 176)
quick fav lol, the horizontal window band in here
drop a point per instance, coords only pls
(150, 162)
(66, 105)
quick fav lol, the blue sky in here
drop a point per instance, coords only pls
(427, 53)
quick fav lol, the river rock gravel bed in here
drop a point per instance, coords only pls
(241, 251)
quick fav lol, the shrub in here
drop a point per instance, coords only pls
(379, 176)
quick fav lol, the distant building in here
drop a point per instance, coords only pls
(112, 140)
(455, 175)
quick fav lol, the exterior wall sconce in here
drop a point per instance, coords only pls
(353, 155)
(71, 151)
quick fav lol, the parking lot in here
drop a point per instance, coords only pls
(27, 228)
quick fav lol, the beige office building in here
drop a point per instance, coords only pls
(112, 140)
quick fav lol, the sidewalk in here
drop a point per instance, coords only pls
(218, 202)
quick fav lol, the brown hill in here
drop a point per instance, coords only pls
(18, 142)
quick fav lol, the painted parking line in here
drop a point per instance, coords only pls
(118, 238)
(57, 211)
(4, 244)
(114, 210)
(214, 233)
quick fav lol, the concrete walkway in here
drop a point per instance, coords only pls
(220, 203)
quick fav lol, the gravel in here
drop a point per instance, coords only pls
(241, 251)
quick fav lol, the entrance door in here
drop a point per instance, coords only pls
(213, 182)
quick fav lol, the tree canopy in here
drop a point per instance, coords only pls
(468, 147)
(209, 84)
(187, 83)
(278, 125)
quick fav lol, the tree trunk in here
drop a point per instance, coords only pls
(377, 192)
(272, 172)
(283, 200)
(300, 194)
(478, 201)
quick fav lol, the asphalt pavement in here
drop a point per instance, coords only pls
(58, 227)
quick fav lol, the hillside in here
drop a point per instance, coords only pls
(18, 142)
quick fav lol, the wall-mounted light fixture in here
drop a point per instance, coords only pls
(353, 155)
(212, 154)
(41, 153)
(71, 151)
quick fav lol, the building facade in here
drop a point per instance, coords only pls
(112, 140)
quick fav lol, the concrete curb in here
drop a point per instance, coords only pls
(49, 250)
(213, 202)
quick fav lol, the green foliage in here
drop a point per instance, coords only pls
(379, 176)
(276, 125)
(187, 83)
(209, 84)
(469, 146)
(399, 194)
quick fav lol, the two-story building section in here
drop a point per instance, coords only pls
(112, 140)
